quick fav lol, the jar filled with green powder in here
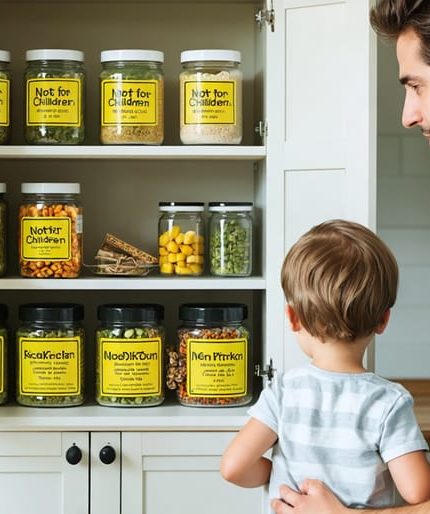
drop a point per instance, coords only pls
(230, 238)
(3, 354)
(5, 83)
(129, 355)
(50, 355)
(54, 97)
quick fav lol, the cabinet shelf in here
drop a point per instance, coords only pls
(133, 283)
(245, 153)
(166, 417)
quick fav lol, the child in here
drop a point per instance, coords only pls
(331, 419)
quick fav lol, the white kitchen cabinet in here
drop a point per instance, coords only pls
(309, 87)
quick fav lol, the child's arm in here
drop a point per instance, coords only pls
(411, 474)
(243, 462)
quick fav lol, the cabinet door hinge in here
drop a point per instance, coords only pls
(261, 129)
(267, 371)
(265, 15)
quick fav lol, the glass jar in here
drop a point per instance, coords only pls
(230, 238)
(129, 355)
(50, 355)
(212, 364)
(3, 229)
(5, 78)
(210, 97)
(55, 83)
(50, 230)
(132, 97)
(3, 354)
(181, 238)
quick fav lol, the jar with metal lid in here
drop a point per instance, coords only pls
(212, 364)
(181, 238)
(132, 97)
(129, 355)
(50, 355)
(230, 238)
(50, 230)
(3, 228)
(5, 81)
(210, 97)
(3, 354)
(54, 97)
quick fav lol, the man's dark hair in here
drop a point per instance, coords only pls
(390, 18)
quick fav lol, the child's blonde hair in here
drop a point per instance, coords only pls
(340, 278)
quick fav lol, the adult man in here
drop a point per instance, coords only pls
(407, 22)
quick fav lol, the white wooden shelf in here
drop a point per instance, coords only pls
(252, 153)
(95, 417)
(133, 283)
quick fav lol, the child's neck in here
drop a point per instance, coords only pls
(340, 356)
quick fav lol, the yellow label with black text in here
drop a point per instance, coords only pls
(53, 102)
(130, 368)
(49, 367)
(4, 102)
(2, 364)
(210, 102)
(129, 102)
(46, 238)
(217, 368)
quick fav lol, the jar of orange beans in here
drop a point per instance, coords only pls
(212, 364)
(50, 230)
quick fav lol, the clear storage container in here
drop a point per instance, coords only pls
(230, 238)
(181, 238)
(212, 366)
(5, 82)
(50, 355)
(54, 100)
(3, 229)
(132, 97)
(50, 230)
(129, 358)
(3, 354)
(210, 97)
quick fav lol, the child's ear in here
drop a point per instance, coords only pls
(292, 318)
(384, 322)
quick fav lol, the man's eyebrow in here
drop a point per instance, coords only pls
(405, 79)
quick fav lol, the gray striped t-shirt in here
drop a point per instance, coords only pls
(341, 428)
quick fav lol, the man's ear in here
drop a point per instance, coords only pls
(384, 322)
(295, 324)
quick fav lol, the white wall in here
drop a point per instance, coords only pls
(404, 223)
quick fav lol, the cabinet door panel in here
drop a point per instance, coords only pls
(36, 478)
(179, 472)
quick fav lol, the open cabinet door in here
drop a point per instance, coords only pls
(321, 117)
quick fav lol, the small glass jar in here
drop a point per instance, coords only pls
(50, 355)
(132, 97)
(3, 229)
(54, 97)
(5, 79)
(210, 97)
(230, 238)
(181, 238)
(50, 230)
(3, 354)
(212, 364)
(129, 355)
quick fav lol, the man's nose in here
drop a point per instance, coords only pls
(411, 115)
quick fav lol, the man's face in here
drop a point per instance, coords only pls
(414, 74)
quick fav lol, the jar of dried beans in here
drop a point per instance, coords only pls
(210, 97)
(129, 355)
(132, 97)
(50, 230)
(5, 78)
(212, 364)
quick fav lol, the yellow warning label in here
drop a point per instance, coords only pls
(46, 238)
(211, 102)
(4, 102)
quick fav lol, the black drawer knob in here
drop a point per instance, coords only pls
(107, 454)
(73, 455)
